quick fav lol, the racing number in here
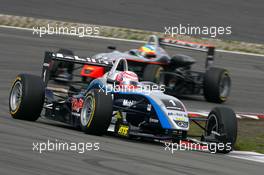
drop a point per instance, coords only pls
(123, 130)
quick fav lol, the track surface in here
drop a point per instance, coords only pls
(20, 51)
(245, 17)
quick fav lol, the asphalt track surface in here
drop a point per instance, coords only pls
(20, 51)
(245, 17)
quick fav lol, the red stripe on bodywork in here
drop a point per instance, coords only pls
(189, 42)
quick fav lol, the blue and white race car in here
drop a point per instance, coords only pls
(116, 102)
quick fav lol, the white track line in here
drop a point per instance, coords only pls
(134, 41)
(69, 34)
(247, 155)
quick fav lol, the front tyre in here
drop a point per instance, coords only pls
(222, 125)
(217, 85)
(26, 97)
(97, 112)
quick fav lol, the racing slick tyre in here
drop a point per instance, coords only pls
(56, 65)
(222, 123)
(96, 113)
(26, 97)
(152, 73)
(217, 85)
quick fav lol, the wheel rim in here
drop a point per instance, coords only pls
(157, 75)
(212, 125)
(224, 86)
(88, 111)
(16, 96)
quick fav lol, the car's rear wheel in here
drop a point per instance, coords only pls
(96, 112)
(217, 85)
(26, 97)
(222, 123)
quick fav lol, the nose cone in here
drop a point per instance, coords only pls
(179, 119)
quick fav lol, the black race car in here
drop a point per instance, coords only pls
(152, 63)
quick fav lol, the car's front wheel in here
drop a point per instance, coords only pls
(97, 112)
(222, 125)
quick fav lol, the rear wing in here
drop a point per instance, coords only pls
(50, 57)
(208, 49)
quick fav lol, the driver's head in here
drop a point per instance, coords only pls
(147, 51)
(127, 78)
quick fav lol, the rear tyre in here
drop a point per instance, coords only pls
(217, 85)
(26, 97)
(152, 73)
(222, 120)
(97, 112)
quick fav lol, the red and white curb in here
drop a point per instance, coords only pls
(250, 115)
(239, 115)
(247, 155)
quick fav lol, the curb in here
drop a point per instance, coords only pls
(239, 115)
(247, 155)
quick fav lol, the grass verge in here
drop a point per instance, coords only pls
(250, 135)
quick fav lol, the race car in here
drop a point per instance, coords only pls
(152, 63)
(115, 102)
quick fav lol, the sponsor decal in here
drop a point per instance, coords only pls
(180, 118)
(152, 120)
(77, 104)
(173, 104)
(84, 60)
(177, 114)
(123, 130)
(128, 103)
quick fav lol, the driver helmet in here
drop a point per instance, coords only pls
(127, 78)
(147, 51)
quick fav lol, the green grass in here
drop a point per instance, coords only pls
(250, 135)
(250, 144)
